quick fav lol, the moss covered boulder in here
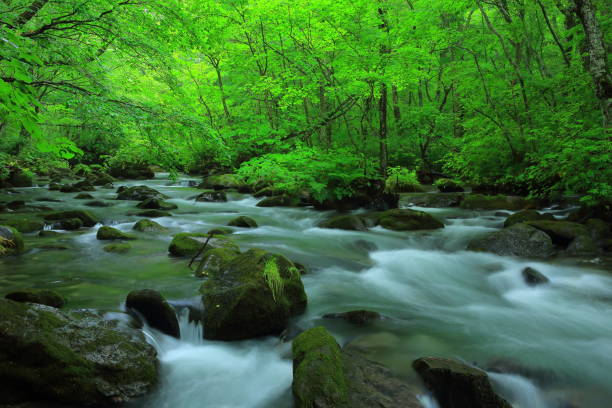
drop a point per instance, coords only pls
(88, 219)
(156, 204)
(408, 220)
(445, 185)
(533, 277)
(527, 215)
(83, 196)
(253, 296)
(152, 213)
(243, 221)
(106, 233)
(214, 261)
(457, 385)
(517, 240)
(135, 171)
(24, 225)
(189, 243)
(345, 222)
(11, 241)
(211, 196)
(139, 193)
(582, 245)
(68, 224)
(155, 309)
(72, 358)
(222, 181)
(21, 178)
(117, 248)
(149, 226)
(561, 232)
(279, 201)
(356, 317)
(497, 202)
(40, 296)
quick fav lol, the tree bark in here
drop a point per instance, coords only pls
(30, 12)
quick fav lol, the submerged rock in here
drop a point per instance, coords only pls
(279, 201)
(527, 215)
(154, 308)
(106, 233)
(498, 202)
(148, 226)
(156, 204)
(88, 219)
(73, 358)
(345, 222)
(11, 241)
(189, 243)
(408, 220)
(40, 296)
(253, 296)
(356, 317)
(138, 193)
(135, 171)
(98, 203)
(533, 277)
(211, 196)
(457, 385)
(83, 196)
(117, 248)
(517, 240)
(243, 221)
(24, 225)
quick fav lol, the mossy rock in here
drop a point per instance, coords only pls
(356, 317)
(134, 171)
(498, 202)
(89, 220)
(255, 295)
(533, 277)
(222, 182)
(40, 296)
(561, 232)
(53, 186)
(345, 222)
(11, 241)
(83, 196)
(156, 204)
(68, 224)
(49, 233)
(149, 226)
(220, 231)
(279, 201)
(517, 240)
(138, 193)
(190, 243)
(155, 309)
(582, 245)
(318, 371)
(71, 358)
(268, 191)
(408, 220)
(100, 178)
(211, 196)
(215, 261)
(98, 203)
(527, 215)
(117, 248)
(243, 221)
(24, 225)
(84, 185)
(106, 233)
(21, 178)
(445, 185)
(457, 385)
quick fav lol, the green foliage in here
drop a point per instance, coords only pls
(400, 179)
(273, 279)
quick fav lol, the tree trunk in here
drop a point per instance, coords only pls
(383, 129)
(30, 12)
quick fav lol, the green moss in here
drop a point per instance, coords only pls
(120, 248)
(243, 221)
(408, 220)
(109, 233)
(89, 220)
(148, 226)
(11, 241)
(189, 243)
(498, 202)
(40, 296)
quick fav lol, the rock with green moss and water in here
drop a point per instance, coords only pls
(152, 213)
(155, 309)
(106, 233)
(527, 215)
(408, 220)
(117, 248)
(68, 224)
(24, 225)
(254, 295)
(156, 204)
(517, 240)
(458, 385)
(279, 201)
(11, 241)
(222, 182)
(345, 222)
(215, 261)
(71, 358)
(88, 219)
(21, 178)
(220, 231)
(445, 185)
(40, 296)
(189, 243)
(561, 232)
(243, 221)
(138, 193)
(149, 226)
(497, 202)
(83, 196)
(211, 196)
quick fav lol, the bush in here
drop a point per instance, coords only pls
(402, 180)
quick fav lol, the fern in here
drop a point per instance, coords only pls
(273, 279)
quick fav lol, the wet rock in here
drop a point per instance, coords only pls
(40, 296)
(108, 186)
(408, 220)
(268, 191)
(561, 232)
(154, 308)
(53, 247)
(55, 186)
(366, 193)
(98, 203)
(20, 178)
(582, 245)
(117, 248)
(133, 171)
(220, 231)
(156, 204)
(279, 201)
(243, 221)
(457, 385)
(148, 226)
(222, 181)
(68, 224)
(69, 188)
(89, 220)
(498, 202)
(11, 242)
(106, 233)
(16, 205)
(84, 185)
(599, 229)
(448, 186)
(24, 225)
(83, 196)
(138, 193)
(255, 295)
(345, 222)
(71, 358)
(151, 213)
(517, 240)
(602, 211)
(211, 196)
(48, 233)
(432, 200)
(527, 215)
(533, 277)
(189, 243)
(356, 317)
(100, 178)
(366, 245)
(215, 261)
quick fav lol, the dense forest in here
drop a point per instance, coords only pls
(510, 95)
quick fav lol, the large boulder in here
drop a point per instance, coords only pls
(148, 226)
(408, 220)
(154, 308)
(448, 186)
(222, 181)
(40, 296)
(498, 202)
(518, 240)
(88, 219)
(582, 245)
(11, 241)
(20, 178)
(533, 277)
(345, 222)
(68, 224)
(153, 203)
(24, 225)
(138, 193)
(71, 358)
(561, 232)
(106, 233)
(215, 261)
(243, 221)
(431, 200)
(100, 178)
(211, 196)
(189, 243)
(253, 296)
(527, 215)
(457, 385)
(135, 171)
(324, 376)
(279, 201)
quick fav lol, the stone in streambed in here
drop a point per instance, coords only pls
(40, 296)
(561, 232)
(222, 182)
(533, 277)
(527, 215)
(152, 214)
(98, 203)
(106, 233)
(148, 226)
(279, 201)
(220, 231)
(70, 358)
(356, 317)
(582, 245)
(211, 196)
(138, 193)
(154, 308)
(457, 385)
(16, 205)
(156, 204)
(345, 222)
(24, 225)
(215, 261)
(68, 224)
(11, 241)
(189, 243)
(243, 221)
(498, 202)
(88, 219)
(518, 240)
(408, 220)
(448, 186)
(49, 233)
(83, 196)
(117, 248)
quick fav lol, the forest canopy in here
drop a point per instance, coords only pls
(513, 94)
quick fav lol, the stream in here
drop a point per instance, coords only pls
(437, 299)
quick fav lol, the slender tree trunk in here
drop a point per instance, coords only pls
(30, 12)
(383, 130)
(397, 114)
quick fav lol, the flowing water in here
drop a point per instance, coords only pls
(438, 299)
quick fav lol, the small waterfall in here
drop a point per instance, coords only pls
(519, 390)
